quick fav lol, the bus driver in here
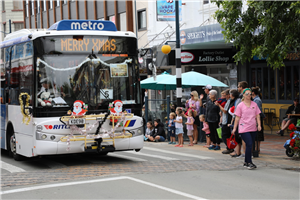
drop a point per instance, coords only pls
(54, 93)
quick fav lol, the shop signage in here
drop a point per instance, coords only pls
(166, 10)
(211, 56)
(186, 57)
(201, 34)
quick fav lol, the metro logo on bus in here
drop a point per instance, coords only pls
(83, 25)
(61, 126)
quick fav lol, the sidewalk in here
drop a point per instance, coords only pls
(271, 150)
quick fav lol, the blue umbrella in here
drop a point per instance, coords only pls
(152, 84)
(192, 78)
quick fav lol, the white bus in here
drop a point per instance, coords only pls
(85, 60)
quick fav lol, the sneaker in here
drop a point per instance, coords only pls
(227, 151)
(245, 164)
(174, 143)
(241, 156)
(170, 142)
(212, 147)
(251, 166)
(217, 148)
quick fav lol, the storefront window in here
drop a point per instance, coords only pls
(296, 75)
(281, 83)
(272, 84)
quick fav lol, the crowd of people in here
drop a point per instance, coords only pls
(238, 113)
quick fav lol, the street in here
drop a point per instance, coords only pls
(159, 171)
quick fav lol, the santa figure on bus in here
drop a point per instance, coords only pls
(118, 107)
(79, 109)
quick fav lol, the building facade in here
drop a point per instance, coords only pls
(44, 13)
(204, 50)
(11, 17)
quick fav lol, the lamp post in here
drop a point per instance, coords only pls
(165, 49)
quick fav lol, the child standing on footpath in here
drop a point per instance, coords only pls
(179, 127)
(206, 130)
(189, 126)
(171, 128)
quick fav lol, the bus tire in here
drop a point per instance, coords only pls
(11, 146)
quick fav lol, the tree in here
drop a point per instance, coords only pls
(267, 29)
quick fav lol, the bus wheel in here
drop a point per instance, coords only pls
(13, 148)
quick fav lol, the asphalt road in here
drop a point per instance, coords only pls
(159, 171)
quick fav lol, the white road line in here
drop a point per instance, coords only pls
(11, 168)
(151, 155)
(166, 189)
(177, 153)
(101, 180)
(127, 157)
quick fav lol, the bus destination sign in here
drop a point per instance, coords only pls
(83, 25)
(103, 45)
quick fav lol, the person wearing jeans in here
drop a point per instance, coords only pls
(247, 117)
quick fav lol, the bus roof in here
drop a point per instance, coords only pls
(60, 28)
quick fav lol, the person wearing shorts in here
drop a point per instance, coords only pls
(179, 126)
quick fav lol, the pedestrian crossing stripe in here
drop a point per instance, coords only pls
(130, 123)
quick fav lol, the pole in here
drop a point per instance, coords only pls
(178, 57)
(9, 22)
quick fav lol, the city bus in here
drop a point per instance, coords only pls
(74, 60)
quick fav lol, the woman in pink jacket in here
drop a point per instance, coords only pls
(247, 118)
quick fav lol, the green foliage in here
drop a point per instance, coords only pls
(267, 29)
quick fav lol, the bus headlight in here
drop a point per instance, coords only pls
(52, 137)
(139, 131)
(44, 136)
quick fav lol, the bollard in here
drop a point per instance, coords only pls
(146, 112)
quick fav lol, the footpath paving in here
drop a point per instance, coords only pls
(272, 151)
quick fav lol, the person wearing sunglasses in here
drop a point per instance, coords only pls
(247, 117)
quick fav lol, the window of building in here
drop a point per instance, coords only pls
(65, 1)
(17, 5)
(38, 7)
(267, 84)
(32, 7)
(112, 19)
(142, 20)
(57, 3)
(288, 83)
(51, 4)
(101, 19)
(205, 1)
(44, 5)
(18, 26)
(3, 5)
(4, 29)
(27, 8)
(123, 25)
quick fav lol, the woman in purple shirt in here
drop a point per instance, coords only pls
(247, 117)
(193, 103)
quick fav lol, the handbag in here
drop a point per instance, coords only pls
(219, 131)
(231, 143)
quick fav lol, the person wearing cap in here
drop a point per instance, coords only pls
(293, 109)
(45, 86)
(207, 88)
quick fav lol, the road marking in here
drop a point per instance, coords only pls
(101, 180)
(128, 157)
(151, 155)
(177, 153)
(11, 168)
